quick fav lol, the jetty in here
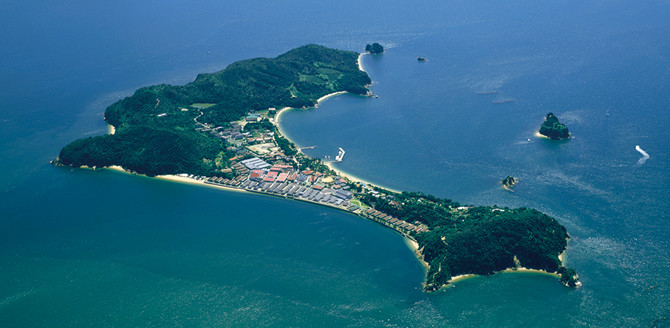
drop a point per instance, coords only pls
(340, 155)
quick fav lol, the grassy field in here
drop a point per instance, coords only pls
(202, 105)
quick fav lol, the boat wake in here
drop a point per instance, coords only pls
(645, 156)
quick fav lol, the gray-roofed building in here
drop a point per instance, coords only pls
(343, 194)
(255, 163)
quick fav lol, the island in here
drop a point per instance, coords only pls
(553, 129)
(221, 130)
(509, 182)
(374, 48)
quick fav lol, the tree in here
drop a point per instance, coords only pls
(374, 48)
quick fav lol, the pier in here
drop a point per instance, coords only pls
(340, 155)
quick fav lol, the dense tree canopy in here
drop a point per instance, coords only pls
(554, 129)
(476, 240)
(374, 48)
(155, 127)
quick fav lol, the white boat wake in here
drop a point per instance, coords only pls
(645, 156)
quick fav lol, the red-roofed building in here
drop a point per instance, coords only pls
(282, 177)
(271, 176)
(256, 175)
(292, 177)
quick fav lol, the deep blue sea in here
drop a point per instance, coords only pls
(100, 248)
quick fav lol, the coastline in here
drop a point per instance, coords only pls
(539, 135)
(414, 246)
(461, 277)
(353, 177)
(330, 165)
(411, 242)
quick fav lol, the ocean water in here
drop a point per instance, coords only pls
(100, 248)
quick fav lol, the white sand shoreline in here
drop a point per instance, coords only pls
(462, 277)
(330, 165)
(412, 244)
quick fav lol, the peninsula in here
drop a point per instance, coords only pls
(221, 130)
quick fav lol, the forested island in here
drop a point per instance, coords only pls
(221, 130)
(553, 129)
(374, 48)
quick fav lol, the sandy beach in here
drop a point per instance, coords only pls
(538, 135)
(414, 246)
(176, 178)
(524, 269)
(328, 96)
(458, 278)
(360, 62)
(355, 178)
(111, 129)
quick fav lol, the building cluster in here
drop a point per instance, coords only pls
(284, 180)
(392, 222)
(271, 175)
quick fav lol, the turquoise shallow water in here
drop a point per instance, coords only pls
(81, 248)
